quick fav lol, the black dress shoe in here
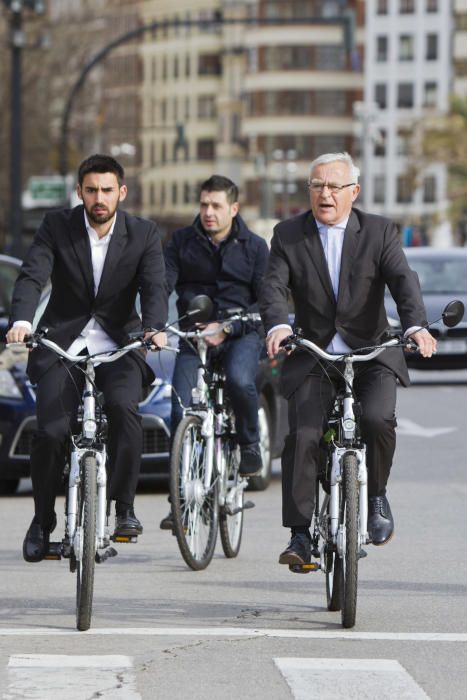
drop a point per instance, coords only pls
(380, 520)
(36, 542)
(167, 523)
(298, 551)
(251, 461)
(127, 524)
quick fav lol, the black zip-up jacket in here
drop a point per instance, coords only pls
(230, 274)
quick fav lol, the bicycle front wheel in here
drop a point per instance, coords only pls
(86, 556)
(350, 519)
(194, 506)
(231, 514)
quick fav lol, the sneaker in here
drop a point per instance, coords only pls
(251, 461)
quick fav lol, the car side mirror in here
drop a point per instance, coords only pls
(200, 308)
(453, 313)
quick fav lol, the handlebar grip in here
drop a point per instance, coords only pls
(286, 341)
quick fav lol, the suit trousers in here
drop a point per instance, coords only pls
(58, 396)
(309, 408)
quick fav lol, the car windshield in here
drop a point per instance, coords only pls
(8, 275)
(441, 275)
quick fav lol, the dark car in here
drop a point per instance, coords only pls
(443, 277)
(18, 419)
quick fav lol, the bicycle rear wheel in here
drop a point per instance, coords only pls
(86, 557)
(350, 519)
(231, 514)
(194, 508)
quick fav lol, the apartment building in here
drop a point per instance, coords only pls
(254, 100)
(408, 76)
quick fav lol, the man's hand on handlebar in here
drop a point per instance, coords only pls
(217, 338)
(158, 340)
(274, 340)
(425, 341)
(18, 334)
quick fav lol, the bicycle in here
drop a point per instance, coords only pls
(341, 507)
(87, 537)
(206, 489)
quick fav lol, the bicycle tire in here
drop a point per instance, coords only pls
(350, 519)
(195, 513)
(87, 525)
(231, 525)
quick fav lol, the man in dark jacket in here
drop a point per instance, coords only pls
(98, 258)
(220, 257)
(335, 261)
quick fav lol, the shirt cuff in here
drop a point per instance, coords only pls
(280, 325)
(24, 324)
(414, 329)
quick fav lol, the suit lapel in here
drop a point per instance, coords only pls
(316, 252)
(114, 252)
(348, 252)
(80, 242)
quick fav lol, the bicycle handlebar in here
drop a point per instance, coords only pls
(297, 341)
(233, 315)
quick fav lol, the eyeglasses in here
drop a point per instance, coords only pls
(318, 186)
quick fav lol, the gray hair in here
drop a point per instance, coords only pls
(332, 157)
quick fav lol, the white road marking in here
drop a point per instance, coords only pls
(453, 637)
(328, 679)
(56, 676)
(409, 427)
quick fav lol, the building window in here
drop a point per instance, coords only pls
(406, 7)
(187, 65)
(431, 47)
(404, 190)
(380, 143)
(209, 64)
(405, 95)
(205, 149)
(403, 142)
(174, 193)
(432, 5)
(207, 108)
(430, 94)
(406, 47)
(379, 189)
(382, 7)
(381, 95)
(186, 193)
(175, 66)
(429, 189)
(381, 49)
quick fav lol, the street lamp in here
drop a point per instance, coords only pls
(17, 42)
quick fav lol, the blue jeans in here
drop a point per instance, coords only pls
(240, 358)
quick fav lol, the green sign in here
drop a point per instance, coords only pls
(48, 189)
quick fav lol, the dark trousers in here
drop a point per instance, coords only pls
(239, 358)
(309, 409)
(58, 397)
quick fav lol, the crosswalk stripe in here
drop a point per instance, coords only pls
(58, 676)
(453, 637)
(354, 679)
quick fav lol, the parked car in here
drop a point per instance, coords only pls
(443, 277)
(18, 420)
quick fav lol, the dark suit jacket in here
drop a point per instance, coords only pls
(372, 257)
(61, 251)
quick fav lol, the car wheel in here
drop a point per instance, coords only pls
(8, 486)
(261, 482)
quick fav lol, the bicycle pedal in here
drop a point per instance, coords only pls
(106, 554)
(303, 568)
(55, 551)
(248, 504)
(124, 538)
(362, 554)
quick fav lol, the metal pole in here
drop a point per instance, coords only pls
(16, 185)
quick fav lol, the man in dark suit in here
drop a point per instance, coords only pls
(335, 262)
(98, 259)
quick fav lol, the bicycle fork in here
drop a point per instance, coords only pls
(336, 484)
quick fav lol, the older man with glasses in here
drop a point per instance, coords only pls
(335, 262)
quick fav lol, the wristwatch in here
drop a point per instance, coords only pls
(228, 329)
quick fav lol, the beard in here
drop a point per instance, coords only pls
(103, 217)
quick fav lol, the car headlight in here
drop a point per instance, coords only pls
(8, 386)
